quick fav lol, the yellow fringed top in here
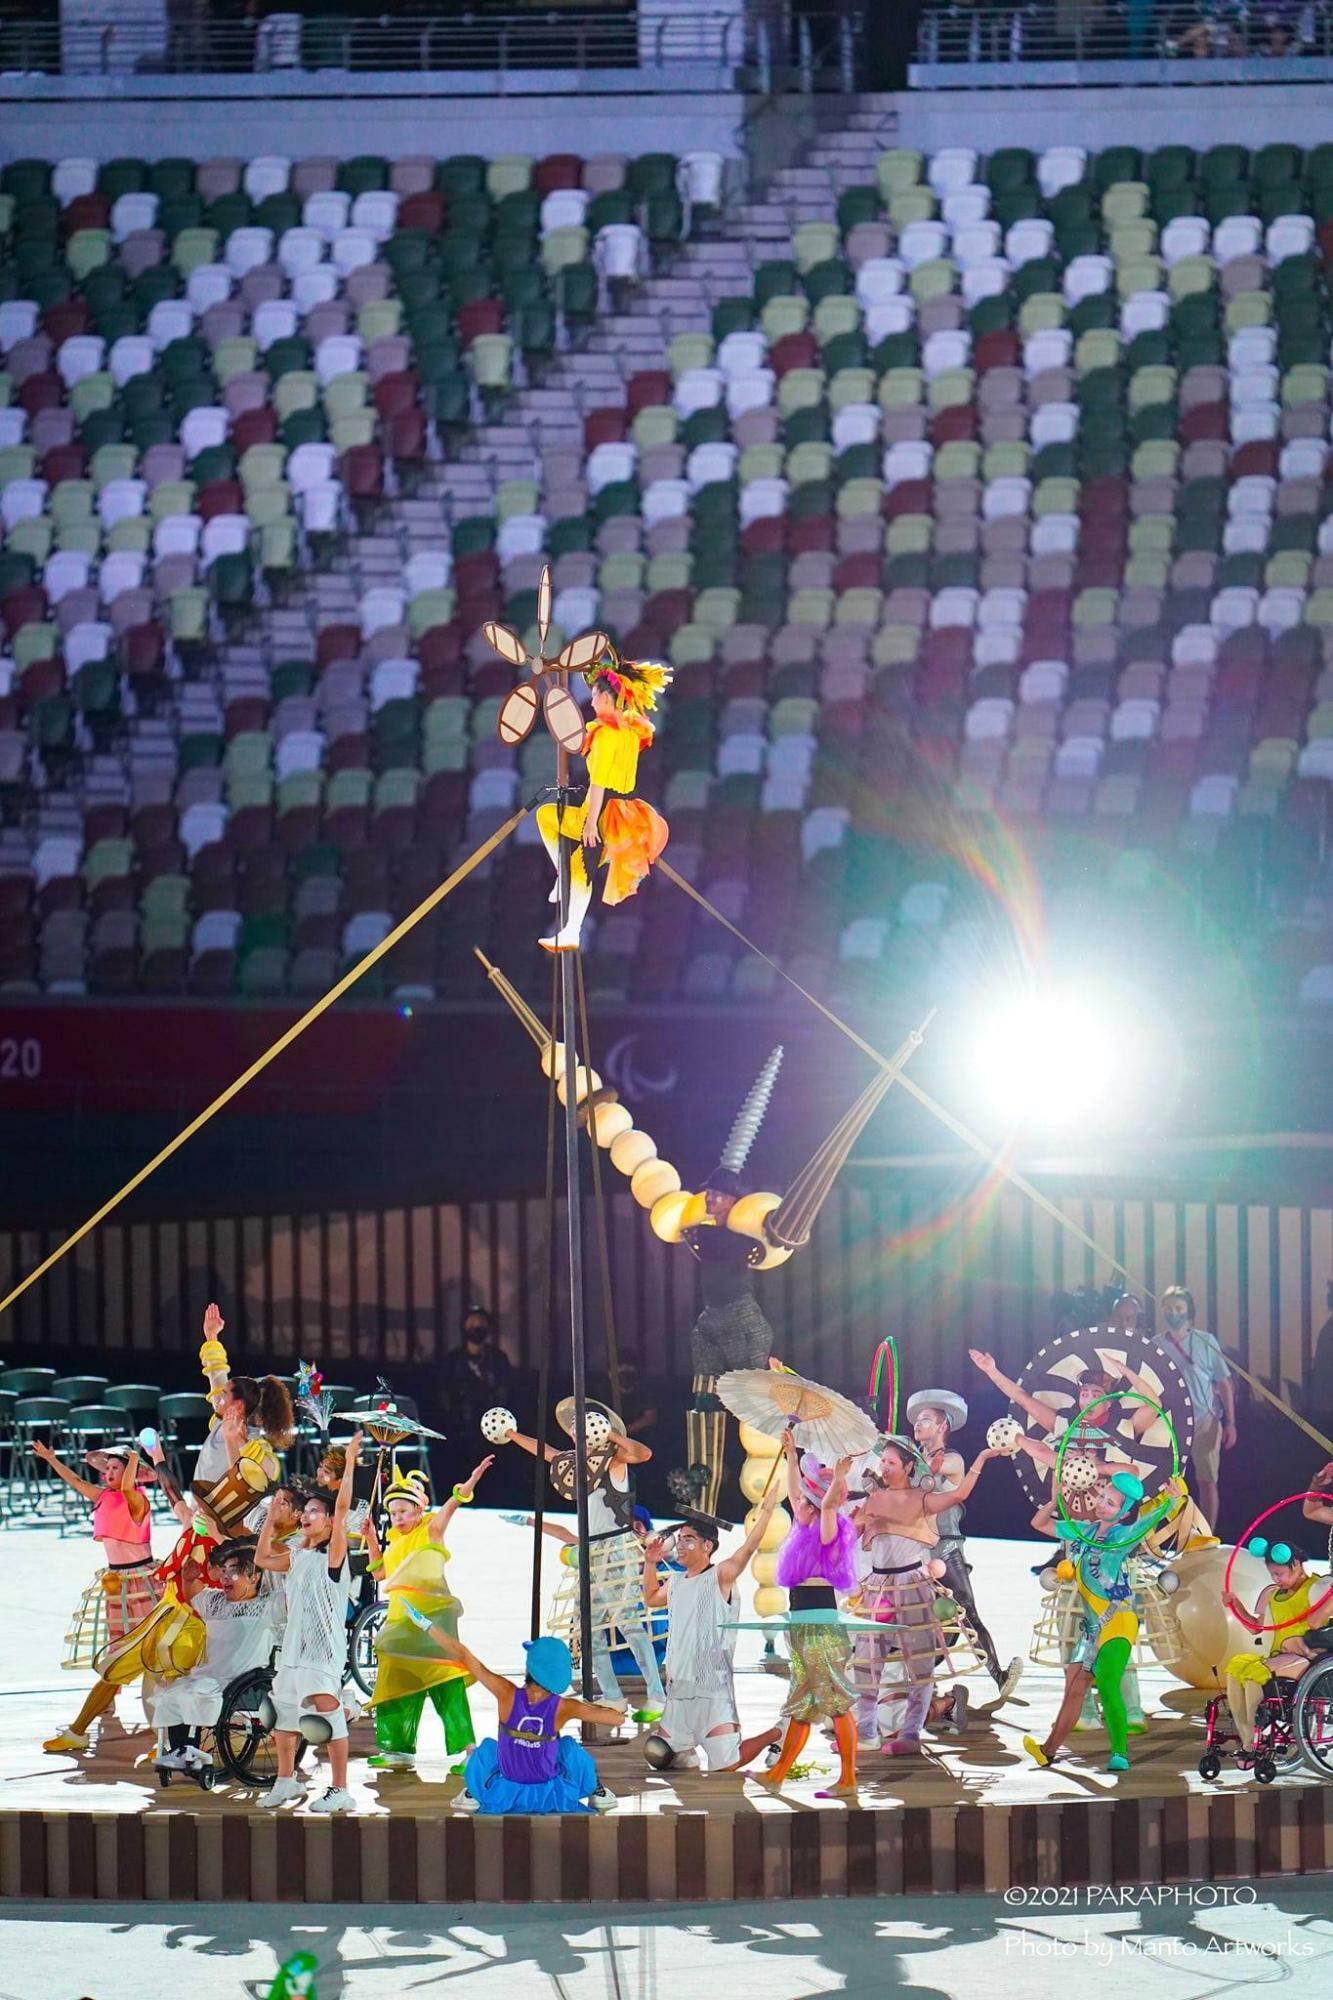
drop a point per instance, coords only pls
(612, 752)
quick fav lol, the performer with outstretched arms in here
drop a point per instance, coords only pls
(411, 1566)
(897, 1523)
(1110, 1622)
(701, 1712)
(126, 1588)
(934, 1415)
(615, 1563)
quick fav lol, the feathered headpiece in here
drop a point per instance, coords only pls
(312, 1396)
(633, 685)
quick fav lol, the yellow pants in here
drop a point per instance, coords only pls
(550, 821)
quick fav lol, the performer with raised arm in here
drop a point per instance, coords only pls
(898, 1525)
(126, 1588)
(313, 1658)
(241, 1609)
(701, 1713)
(934, 1415)
(237, 1467)
(1284, 1607)
(816, 1563)
(615, 1562)
(1110, 1622)
(530, 1767)
(411, 1567)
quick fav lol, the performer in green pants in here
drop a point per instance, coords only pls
(411, 1566)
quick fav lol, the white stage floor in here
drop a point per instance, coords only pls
(43, 1574)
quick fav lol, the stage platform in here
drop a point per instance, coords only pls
(972, 1813)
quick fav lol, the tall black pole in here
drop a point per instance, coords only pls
(574, 1218)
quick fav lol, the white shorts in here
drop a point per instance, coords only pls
(294, 1687)
(688, 1722)
(195, 1700)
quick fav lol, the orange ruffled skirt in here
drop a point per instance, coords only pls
(633, 836)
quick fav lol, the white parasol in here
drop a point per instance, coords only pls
(825, 1423)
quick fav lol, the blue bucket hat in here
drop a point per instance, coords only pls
(550, 1664)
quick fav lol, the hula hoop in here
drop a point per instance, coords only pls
(887, 1351)
(1128, 1396)
(1302, 1617)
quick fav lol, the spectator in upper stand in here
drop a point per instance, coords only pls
(1199, 1357)
(475, 1375)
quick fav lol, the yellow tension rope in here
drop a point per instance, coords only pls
(284, 1041)
(974, 1140)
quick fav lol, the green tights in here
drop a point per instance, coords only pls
(1109, 1673)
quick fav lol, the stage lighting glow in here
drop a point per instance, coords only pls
(1046, 1058)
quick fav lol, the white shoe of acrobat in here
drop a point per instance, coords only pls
(603, 1801)
(565, 939)
(172, 1760)
(464, 1802)
(281, 1793)
(337, 1799)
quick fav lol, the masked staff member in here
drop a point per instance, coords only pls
(934, 1415)
(411, 1565)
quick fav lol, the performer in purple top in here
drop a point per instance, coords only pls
(815, 1563)
(530, 1767)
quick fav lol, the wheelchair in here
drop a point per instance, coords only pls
(1274, 1750)
(1312, 1716)
(243, 1745)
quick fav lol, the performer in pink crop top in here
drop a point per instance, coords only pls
(126, 1589)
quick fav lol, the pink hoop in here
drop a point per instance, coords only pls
(1302, 1617)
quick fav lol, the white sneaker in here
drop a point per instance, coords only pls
(172, 1760)
(1013, 1674)
(603, 1801)
(337, 1799)
(281, 1793)
(464, 1802)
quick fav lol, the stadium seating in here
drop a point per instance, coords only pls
(998, 500)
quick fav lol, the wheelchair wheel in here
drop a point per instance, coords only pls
(1312, 1717)
(242, 1738)
(1265, 1770)
(1210, 1764)
(362, 1662)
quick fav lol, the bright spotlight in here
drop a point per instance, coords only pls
(1046, 1059)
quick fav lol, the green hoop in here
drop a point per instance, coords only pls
(1129, 1396)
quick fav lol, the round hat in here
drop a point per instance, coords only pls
(953, 1406)
(550, 1664)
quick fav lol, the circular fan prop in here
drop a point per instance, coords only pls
(1053, 1375)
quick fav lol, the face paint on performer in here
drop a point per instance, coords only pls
(931, 1429)
(237, 1579)
(405, 1514)
(694, 1549)
(316, 1521)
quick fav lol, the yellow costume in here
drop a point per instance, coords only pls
(631, 833)
(1282, 1605)
(411, 1666)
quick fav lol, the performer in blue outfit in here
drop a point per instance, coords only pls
(530, 1767)
(1124, 1520)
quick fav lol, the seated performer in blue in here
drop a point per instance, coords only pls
(530, 1767)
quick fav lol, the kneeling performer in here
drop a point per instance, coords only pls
(701, 1712)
